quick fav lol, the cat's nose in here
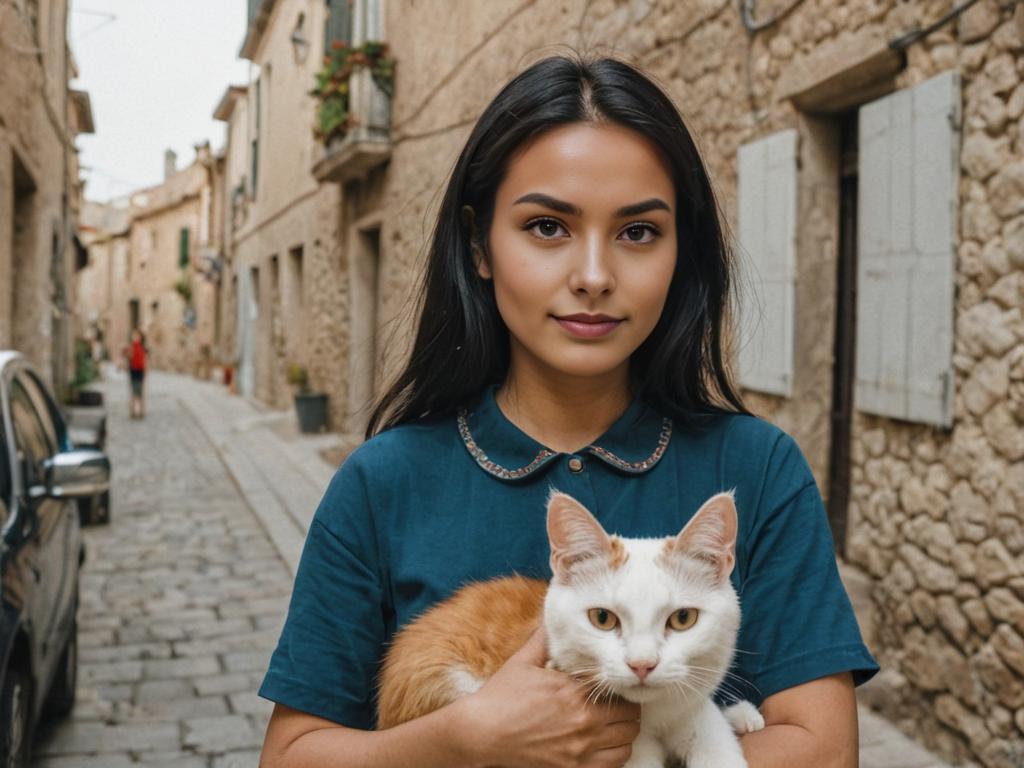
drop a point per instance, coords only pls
(643, 668)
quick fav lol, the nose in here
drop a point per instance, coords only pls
(643, 668)
(593, 274)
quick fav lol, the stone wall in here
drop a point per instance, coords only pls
(936, 516)
(34, 127)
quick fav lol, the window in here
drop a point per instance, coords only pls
(338, 25)
(183, 245)
(255, 146)
(5, 472)
(293, 289)
(52, 421)
(31, 440)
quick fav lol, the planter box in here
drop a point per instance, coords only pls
(312, 412)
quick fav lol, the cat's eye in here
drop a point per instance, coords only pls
(602, 618)
(683, 619)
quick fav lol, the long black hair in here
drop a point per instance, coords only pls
(461, 342)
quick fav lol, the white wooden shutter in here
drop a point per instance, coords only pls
(906, 236)
(767, 226)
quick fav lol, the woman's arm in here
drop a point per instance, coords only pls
(813, 725)
(525, 716)
(298, 740)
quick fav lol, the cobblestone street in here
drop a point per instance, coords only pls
(182, 598)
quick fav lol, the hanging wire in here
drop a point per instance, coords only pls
(912, 36)
(747, 15)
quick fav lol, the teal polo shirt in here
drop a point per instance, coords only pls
(421, 509)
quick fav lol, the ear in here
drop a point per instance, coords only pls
(574, 534)
(710, 536)
(479, 257)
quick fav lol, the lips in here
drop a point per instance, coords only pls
(588, 326)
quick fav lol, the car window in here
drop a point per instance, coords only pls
(31, 440)
(5, 471)
(45, 409)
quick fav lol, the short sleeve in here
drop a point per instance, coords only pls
(326, 659)
(797, 621)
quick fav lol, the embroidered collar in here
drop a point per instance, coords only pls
(633, 444)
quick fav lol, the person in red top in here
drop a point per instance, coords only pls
(136, 355)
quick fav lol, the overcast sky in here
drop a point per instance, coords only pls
(154, 70)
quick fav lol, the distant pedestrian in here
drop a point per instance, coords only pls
(136, 354)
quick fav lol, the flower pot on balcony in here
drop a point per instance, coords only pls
(311, 408)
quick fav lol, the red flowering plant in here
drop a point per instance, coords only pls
(332, 84)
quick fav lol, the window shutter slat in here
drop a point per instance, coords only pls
(767, 226)
(908, 187)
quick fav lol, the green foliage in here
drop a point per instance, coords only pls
(184, 288)
(298, 377)
(85, 366)
(332, 84)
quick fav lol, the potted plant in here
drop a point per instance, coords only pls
(333, 119)
(310, 406)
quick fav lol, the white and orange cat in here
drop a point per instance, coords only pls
(653, 621)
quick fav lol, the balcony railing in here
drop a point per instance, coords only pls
(367, 143)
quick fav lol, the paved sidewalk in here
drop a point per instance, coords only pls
(184, 593)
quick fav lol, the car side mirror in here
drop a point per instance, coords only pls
(75, 474)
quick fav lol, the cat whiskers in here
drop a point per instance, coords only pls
(591, 677)
(706, 676)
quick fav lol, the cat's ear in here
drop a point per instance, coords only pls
(710, 536)
(574, 534)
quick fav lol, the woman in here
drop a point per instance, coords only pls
(136, 354)
(570, 335)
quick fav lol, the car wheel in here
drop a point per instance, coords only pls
(15, 719)
(61, 697)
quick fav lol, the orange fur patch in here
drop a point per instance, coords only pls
(618, 555)
(477, 629)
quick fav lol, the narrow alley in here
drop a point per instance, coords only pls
(182, 597)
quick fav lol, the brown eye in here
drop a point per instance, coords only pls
(602, 618)
(682, 619)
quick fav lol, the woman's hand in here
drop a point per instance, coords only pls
(527, 716)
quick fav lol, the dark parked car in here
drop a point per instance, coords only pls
(87, 428)
(41, 477)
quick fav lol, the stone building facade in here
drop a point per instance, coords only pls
(100, 284)
(275, 260)
(40, 190)
(154, 263)
(880, 314)
(292, 223)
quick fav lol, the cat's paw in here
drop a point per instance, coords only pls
(743, 717)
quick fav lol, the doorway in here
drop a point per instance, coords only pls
(845, 333)
(364, 303)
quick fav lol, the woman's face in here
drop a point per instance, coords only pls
(582, 249)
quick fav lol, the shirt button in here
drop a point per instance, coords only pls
(575, 464)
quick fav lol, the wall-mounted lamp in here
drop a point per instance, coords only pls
(300, 45)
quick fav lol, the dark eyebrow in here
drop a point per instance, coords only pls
(653, 204)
